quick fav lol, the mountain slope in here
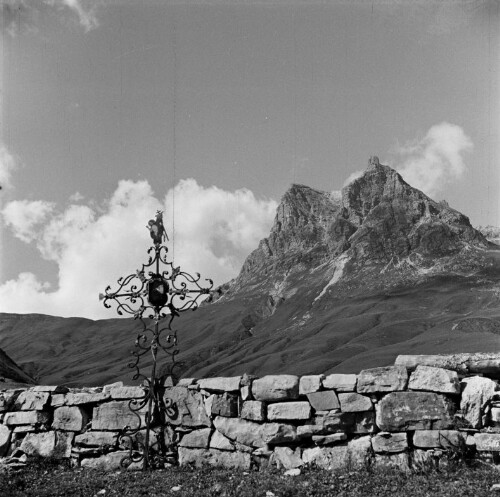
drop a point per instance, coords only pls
(340, 284)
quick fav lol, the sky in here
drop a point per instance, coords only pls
(210, 110)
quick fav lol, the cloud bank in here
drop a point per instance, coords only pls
(211, 231)
(435, 160)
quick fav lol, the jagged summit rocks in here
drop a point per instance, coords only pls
(380, 222)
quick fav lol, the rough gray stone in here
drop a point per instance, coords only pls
(108, 462)
(245, 392)
(360, 451)
(309, 384)
(341, 382)
(97, 438)
(7, 400)
(354, 402)
(126, 392)
(253, 410)
(25, 418)
(385, 379)
(225, 404)
(487, 442)
(116, 415)
(443, 439)
(48, 444)
(57, 400)
(335, 423)
(69, 418)
(75, 399)
(399, 461)
(330, 458)
(190, 405)
(323, 401)
(185, 382)
(287, 458)
(307, 431)
(477, 393)
(283, 411)
(107, 388)
(385, 443)
(31, 401)
(255, 434)
(403, 411)
(5, 435)
(213, 457)
(274, 388)
(495, 415)
(223, 384)
(220, 442)
(332, 439)
(197, 439)
(430, 379)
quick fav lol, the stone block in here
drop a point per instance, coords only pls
(495, 415)
(245, 392)
(354, 402)
(307, 431)
(275, 388)
(438, 439)
(360, 451)
(335, 423)
(399, 461)
(385, 379)
(75, 399)
(5, 435)
(127, 392)
(108, 462)
(341, 382)
(7, 400)
(97, 438)
(283, 411)
(323, 401)
(403, 411)
(57, 400)
(68, 418)
(220, 442)
(116, 415)
(31, 401)
(387, 443)
(332, 439)
(197, 439)
(309, 384)
(223, 384)
(53, 389)
(330, 458)
(255, 434)
(48, 444)
(487, 442)
(216, 458)
(253, 410)
(190, 406)
(477, 393)
(107, 388)
(287, 458)
(225, 404)
(25, 418)
(430, 379)
(185, 382)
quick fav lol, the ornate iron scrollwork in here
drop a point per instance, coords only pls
(154, 294)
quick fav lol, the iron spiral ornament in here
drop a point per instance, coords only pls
(155, 295)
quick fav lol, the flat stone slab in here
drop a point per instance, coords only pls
(330, 458)
(439, 439)
(253, 410)
(404, 411)
(385, 379)
(341, 382)
(108, 462)
(220, 442)
(223, 384)
(274, 388)
(477, 393)
(431, 379)
(25, 418)
(355, 402)
(116, 415)
(97, 438)
(197, 439)
(48, 444)
(283, 411)
(31, 401)
(332, 439)
(126, 392)
(287, 458)
(214, 457)
(255, 434)
(75, 399)
(323, 401)
(487, 442)
(387, 443)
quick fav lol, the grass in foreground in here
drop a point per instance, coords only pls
(56, 480)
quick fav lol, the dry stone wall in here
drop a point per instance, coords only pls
(389, 416)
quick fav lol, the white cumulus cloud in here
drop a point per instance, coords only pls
(211, 231)
(7, 166)
(430, 163)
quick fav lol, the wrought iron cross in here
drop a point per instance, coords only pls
(158, 292)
